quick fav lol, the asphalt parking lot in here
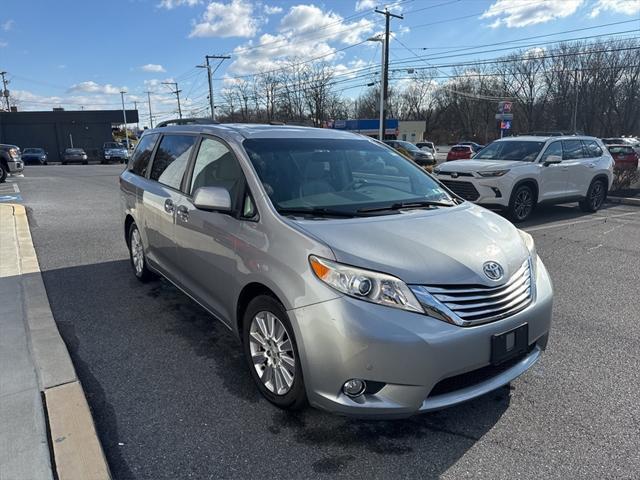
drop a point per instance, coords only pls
(172, 397)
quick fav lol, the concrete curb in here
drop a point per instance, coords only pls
(77, 453)
(624, 200)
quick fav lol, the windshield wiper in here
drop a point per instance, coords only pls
(403, 205)
(318, 212)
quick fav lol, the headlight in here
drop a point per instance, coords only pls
(493, 173)
(531, 246)
(436, 170)
(370, 286)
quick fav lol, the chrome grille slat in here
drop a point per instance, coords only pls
(473, 305)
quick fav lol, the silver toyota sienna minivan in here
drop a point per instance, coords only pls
(354, 280)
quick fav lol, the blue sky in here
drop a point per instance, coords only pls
(79, 53)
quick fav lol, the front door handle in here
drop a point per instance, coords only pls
(183, 213)
(168, 206)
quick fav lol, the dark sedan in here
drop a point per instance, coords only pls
(35, 156)
(409, 150)
(74, 155)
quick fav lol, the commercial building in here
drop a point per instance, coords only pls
(369, 127)
(412, 130)
(57, 130)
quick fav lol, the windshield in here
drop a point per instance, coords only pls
(617, 149)
(338, 174)
(112, 145)
(33, 150)
(74, 150)
(519, 150)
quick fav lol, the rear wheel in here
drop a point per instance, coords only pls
(272, 354)
(136, 255)
(596, 196)
(522, 203)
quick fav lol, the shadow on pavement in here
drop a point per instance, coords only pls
(170, 392)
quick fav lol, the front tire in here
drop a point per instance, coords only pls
(522, 203)
(596, 196)
(272, 353)
(136, 255)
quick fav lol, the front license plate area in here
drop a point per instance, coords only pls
(507, 345)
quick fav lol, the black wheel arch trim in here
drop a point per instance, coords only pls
(519, 183)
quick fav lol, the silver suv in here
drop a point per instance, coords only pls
(353, 279)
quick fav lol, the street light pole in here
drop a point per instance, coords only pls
(176, 92)
(124, 115)
(381, 120)
(575, 103)
(385, 85)
(207, 65)
(150, 116)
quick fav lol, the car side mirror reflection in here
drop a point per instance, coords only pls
(212, 199)
(552, 160)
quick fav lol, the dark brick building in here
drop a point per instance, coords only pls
(55, 130)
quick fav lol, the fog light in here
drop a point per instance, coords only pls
(354, 387)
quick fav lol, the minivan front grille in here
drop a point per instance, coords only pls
(476, 304)
(465, 190)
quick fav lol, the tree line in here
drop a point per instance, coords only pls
(592, 87)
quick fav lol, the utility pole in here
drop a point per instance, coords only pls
(575, 103)
(135, 107)
(150, 116)
(5, 92)
(385, 85)
(207, 65)
(176, 92)
(124, 115)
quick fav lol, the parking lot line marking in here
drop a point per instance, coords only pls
(577, 222)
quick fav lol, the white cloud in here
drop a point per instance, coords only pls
(272, 10)
(171, 4)
(625, 7)
(522, 13)
(234, 19)
(153, 68)
(365, 5)
(7, 25)
(93, 87)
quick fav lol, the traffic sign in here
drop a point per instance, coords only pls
(504, 116)
(505, 125)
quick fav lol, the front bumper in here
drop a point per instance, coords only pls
(491, 192)
(15, 166)
(409, 353)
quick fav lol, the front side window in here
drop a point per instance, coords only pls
(513, 150)
(338, 175)
(572, 149)
(170, 161)
(216, 166)
(140, 159)
(554, 148)
(592, 148)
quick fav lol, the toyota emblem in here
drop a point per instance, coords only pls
(454, 174)
(493, 270)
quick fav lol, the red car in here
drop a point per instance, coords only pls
(624, 156)
(459, 152)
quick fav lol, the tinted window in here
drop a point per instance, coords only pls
(460, 149)
(337, 174)
(521, 150)
(572, 149)
(216, 166)
(592, 148)
(140, 158)
(619, 149)
(170, 161)
(554, 148)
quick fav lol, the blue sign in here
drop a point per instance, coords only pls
(505, 124)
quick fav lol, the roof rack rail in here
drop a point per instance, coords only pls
(187, 121)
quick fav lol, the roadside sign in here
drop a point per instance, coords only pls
(504, 116)
(505, 125)
(504, 107)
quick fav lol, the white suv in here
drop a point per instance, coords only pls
(517, 173)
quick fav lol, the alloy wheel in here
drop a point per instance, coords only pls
(272, 352)
(523, 204)
(597, 195)
(137, 252)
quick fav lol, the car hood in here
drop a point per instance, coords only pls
(472, 165)
(444, 246)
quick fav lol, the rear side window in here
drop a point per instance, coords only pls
(572, 149)
(592, 148)
(170, 161)
(140, 158)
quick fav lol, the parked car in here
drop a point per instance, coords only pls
(427, 147)
(624, 156)
(349, 287)
(476, 147)
(114, 152)
(459, 152)
(34, 155)
(412, 152)
(74, 155)
(10, 161)
(517, 173)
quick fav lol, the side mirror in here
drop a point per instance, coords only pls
(552, 160)
(212, 199)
